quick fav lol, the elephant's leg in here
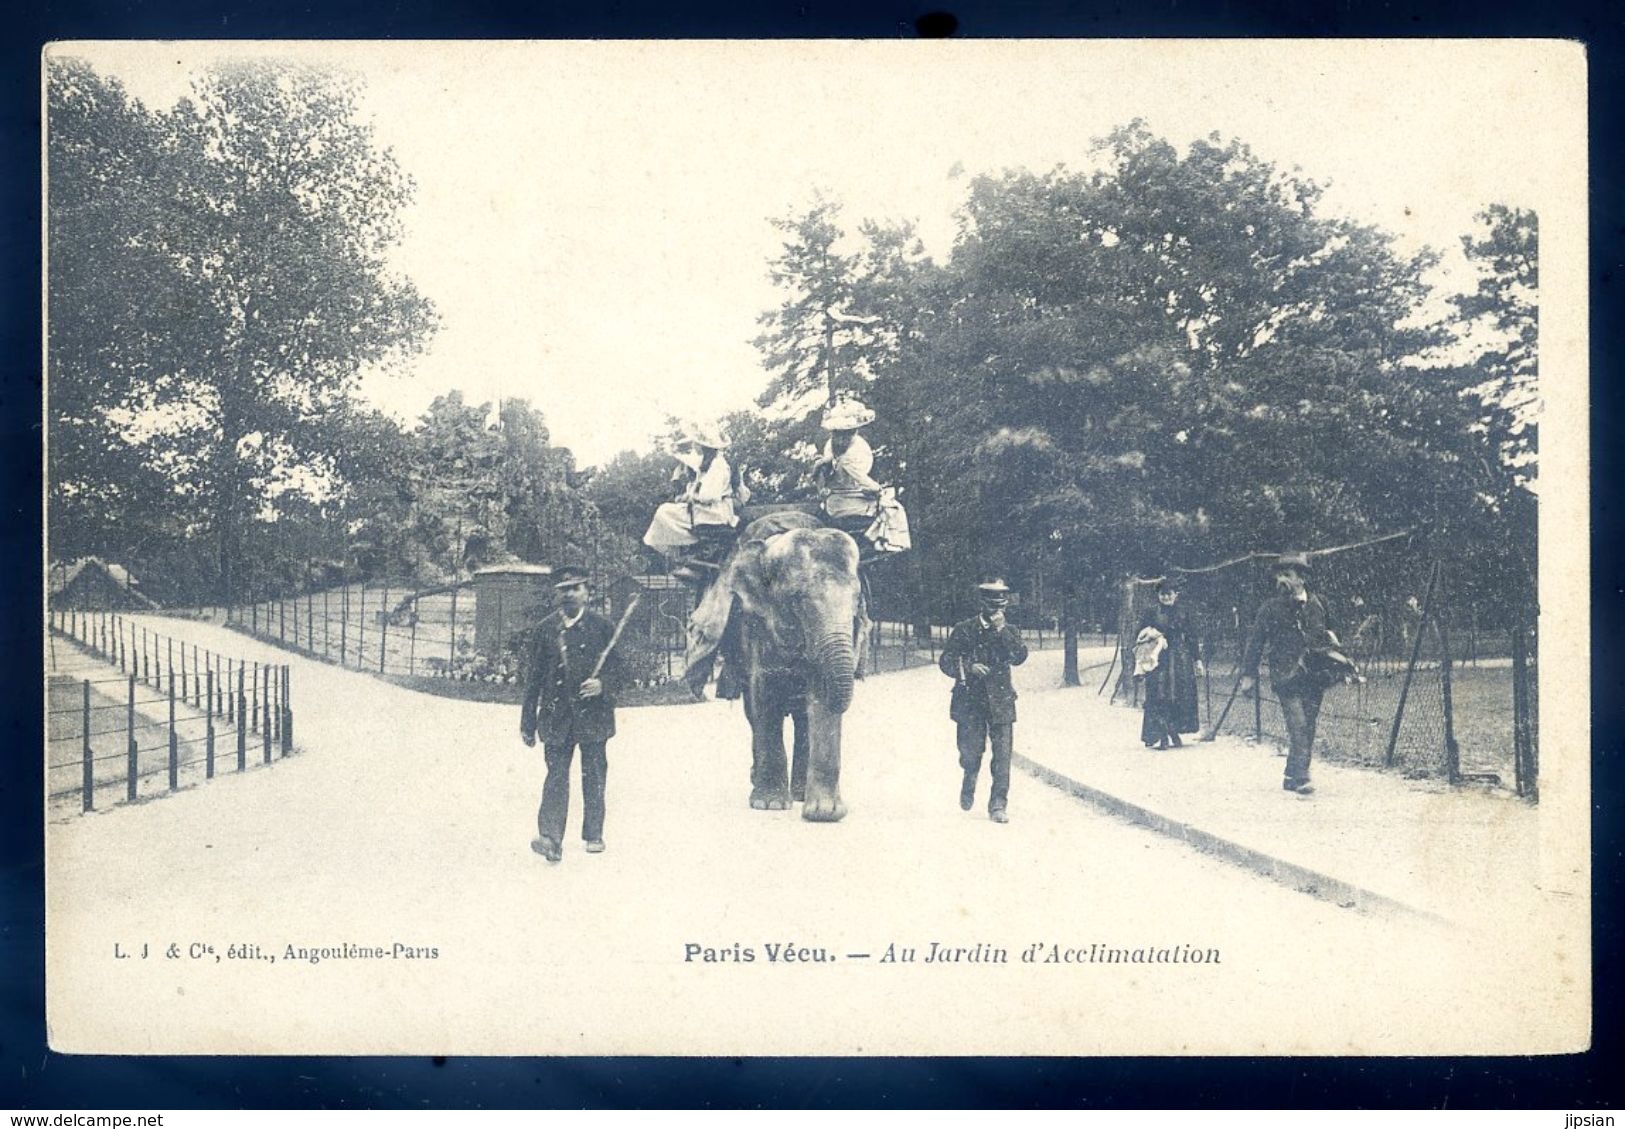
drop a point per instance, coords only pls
(800, 741)
(769, 791)
(823, 803)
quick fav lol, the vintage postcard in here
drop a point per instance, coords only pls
(826, 548)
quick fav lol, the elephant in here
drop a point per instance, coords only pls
(791, 585)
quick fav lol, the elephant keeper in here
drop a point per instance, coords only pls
(571, 675)
(978, 657)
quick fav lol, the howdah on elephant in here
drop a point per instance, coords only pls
(791, 588)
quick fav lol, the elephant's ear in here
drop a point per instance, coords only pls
(738, 579)
(745, 576)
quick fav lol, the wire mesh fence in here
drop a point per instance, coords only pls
(383, 627)
(1442, 693)
(464, 634)
(132, 713)
(394, 629)
(904, 646)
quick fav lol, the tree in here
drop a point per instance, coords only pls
(458, 498)
(1505, 304)
(626, 490)
(1176, 323)
(255, 233)
(548, 515)
(107, 285)
(1170, 357)
(1500, 516)
(811, 342)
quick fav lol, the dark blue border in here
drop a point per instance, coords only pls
(32, 1076)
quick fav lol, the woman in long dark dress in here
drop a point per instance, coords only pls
(1170, 688)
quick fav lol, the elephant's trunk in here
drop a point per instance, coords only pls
(834, 660)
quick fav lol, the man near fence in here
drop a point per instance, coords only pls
(978, 657)
(571, 676)
(1289, 627)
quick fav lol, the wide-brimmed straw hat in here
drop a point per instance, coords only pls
(704, 435)
(847, 415)
(1299, 562)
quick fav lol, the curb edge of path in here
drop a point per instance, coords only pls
(1300, 878)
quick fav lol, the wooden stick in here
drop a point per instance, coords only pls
(615, 637)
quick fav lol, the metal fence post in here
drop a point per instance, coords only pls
(1452, 751)
(130, 749)
(361, 630)
(1525, 767)
(383, 643)
(254, 700)
(265, 727)
(282, 621)
(287, 711)
(412, 643)
(242, 722)
(174, 742)
(327, 645)
(451, 656)
(208, 733)
(89, 757)
(183, 672)
(310, 623)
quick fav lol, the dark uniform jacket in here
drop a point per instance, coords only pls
(558, 661)
(991, 697)
(1286, 628)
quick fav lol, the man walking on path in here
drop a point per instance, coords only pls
(571, 677)
(1291, 627)
(978, 657)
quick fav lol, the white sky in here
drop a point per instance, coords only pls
(592, 219)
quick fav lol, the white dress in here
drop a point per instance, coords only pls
(853, 493)
(708, 499)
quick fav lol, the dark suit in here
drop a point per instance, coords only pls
(984, 708)
(1285, 629)
(559, 659)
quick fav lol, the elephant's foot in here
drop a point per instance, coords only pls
(769, 799)
(823, 809)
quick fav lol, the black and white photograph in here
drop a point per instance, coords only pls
(864, 548)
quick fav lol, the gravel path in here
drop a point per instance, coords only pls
(405, 821)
